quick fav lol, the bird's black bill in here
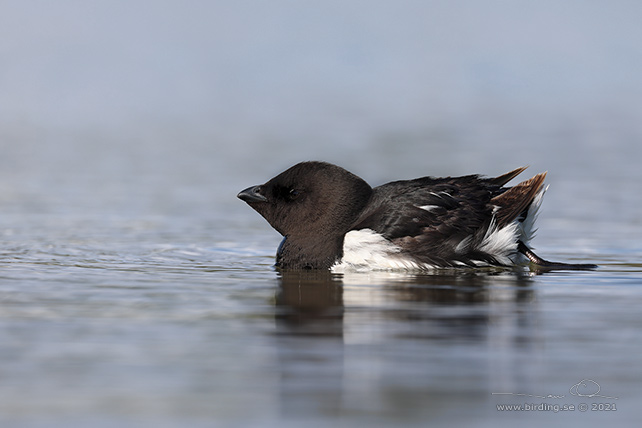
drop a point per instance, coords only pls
(252, 194)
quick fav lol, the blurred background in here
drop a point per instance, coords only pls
(136, 287)
(166, 107)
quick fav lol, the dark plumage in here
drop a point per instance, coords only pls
(329, 217)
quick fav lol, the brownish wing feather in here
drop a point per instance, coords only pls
(513, 202)
(505, 178)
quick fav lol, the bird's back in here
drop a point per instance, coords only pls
(454, 221)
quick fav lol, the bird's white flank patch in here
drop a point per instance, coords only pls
(365, 250)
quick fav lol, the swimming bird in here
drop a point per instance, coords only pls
(332, 219)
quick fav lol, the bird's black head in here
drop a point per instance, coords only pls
(310, 199)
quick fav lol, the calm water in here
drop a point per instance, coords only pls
(137, 291)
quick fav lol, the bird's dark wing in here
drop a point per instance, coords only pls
(433, 219)
(443, 221)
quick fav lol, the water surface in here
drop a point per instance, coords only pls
(136, 319)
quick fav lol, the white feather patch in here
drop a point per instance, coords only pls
(429, 207)
(365, 250)
(527, 228)
(439, 194)
(500, 243)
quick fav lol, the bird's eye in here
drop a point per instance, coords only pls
(293, 194)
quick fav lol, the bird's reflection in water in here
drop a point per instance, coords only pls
(318, 302)
(343, 336)
(310, 302)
